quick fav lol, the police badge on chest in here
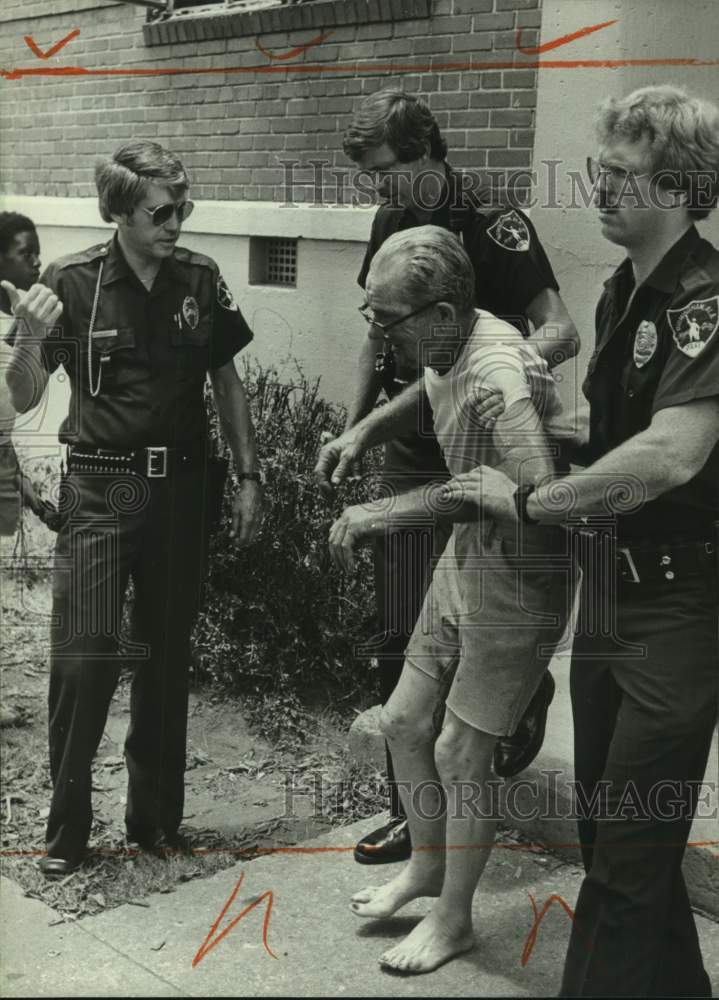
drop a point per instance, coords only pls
(645, 343)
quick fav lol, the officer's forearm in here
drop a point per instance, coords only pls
(235, 419)
(368, 386)
(556, 341)
(400, 416)
(639, 470)
(26, 376)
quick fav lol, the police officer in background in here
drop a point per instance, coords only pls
(396, 140)
(645, 661)
(137, 323)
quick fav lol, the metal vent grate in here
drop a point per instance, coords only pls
(273, 261)
(281, 262)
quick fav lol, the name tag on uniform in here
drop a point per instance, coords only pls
(104, 333)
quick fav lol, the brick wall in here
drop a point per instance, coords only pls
(233, 123)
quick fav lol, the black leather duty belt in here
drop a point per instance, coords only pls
(152, 463)
(674, 559)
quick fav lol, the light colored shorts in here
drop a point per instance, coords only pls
(492, 620)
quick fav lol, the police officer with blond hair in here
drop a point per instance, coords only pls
(645, 661)
(138, 323)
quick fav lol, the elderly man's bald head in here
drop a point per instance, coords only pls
(428, 264)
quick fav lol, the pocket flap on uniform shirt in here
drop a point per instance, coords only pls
(107, 341)
(187, 337)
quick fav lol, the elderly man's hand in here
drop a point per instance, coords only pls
(491, 492)
(339, 459)
(353, 528)
(246, 512)
(39, 307)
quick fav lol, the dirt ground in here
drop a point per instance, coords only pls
(242, 793)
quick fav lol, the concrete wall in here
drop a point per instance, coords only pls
(645, 29)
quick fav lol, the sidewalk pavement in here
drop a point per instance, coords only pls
(320, 948)
(540, 800)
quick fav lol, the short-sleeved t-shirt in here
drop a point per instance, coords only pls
(494, 357)
(657, 349)
(510, 270)
(139, 379)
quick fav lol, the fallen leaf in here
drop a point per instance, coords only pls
(156, 947)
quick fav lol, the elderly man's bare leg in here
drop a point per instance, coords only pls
(410, 721)
(462, 755)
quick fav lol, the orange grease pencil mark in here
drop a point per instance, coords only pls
(54, 49)
(538, 918)
(293, 53)
(558, 42)
(358, 67)
(210, 941)
(339, 67)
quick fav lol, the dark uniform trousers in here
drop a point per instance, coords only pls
(645, 703)
(152, 531)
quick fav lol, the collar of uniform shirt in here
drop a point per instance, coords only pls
(117, 268)
(666, 275)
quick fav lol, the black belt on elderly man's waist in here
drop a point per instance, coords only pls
(156, 462)
(648, 560)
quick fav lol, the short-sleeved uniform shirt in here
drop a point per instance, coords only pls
(510, 270)
(658, 348)
(148, 353)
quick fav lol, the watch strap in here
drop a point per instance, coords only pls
(521, 496)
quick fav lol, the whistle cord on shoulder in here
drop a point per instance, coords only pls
(94, 390)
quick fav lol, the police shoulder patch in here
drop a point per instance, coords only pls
(510, 231)
(694, 325)
(224, 295)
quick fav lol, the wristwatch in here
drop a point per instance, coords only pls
(521, 496)
(249, 475)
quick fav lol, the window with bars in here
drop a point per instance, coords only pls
(168, 8)
(273, 261)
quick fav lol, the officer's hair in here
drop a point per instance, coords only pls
(401, 120)
(433, 264)
(683, 132)
(123, 180)
(12, 223)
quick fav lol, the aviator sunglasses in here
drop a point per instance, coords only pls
(163, 213)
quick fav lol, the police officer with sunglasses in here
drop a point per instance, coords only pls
(137, 323)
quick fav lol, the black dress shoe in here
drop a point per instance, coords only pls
(513, 754)
(387, 845)
(160, 844)
(58, 867)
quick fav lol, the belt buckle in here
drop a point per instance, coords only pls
(153, 455)
(628, 566)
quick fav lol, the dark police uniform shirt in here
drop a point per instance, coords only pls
(150, 350)
(510, 270)
(661, 349)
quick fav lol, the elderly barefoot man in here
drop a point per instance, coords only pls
(491, 618)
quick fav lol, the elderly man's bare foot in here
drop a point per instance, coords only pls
(384, 900)
(429, 945)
